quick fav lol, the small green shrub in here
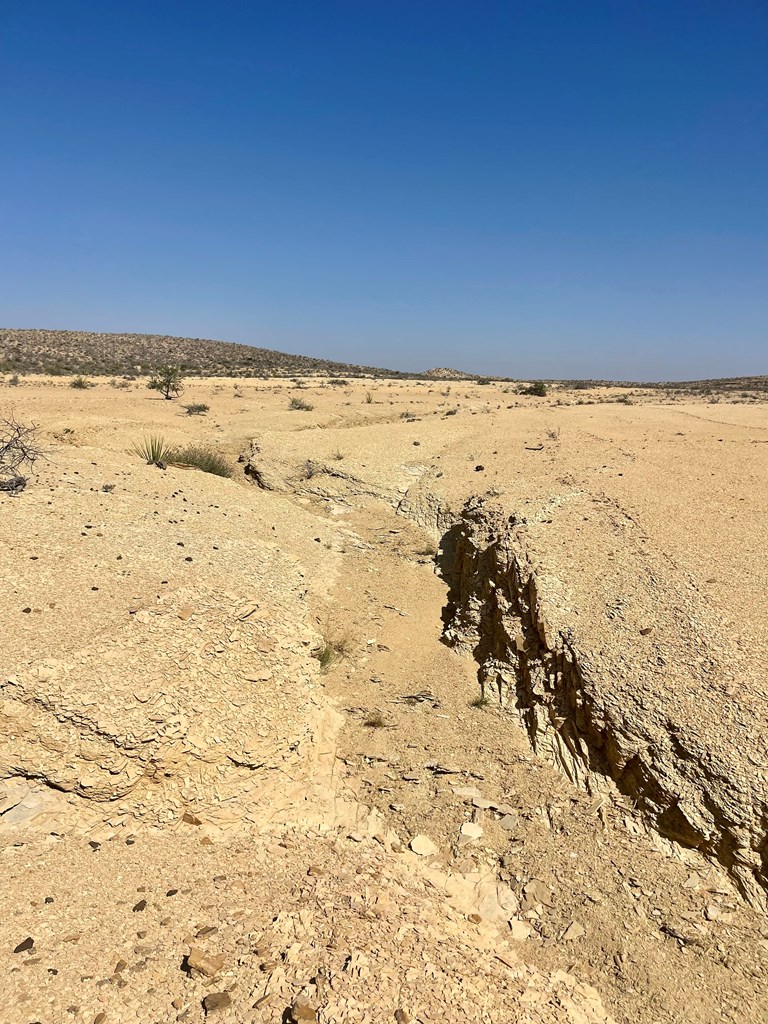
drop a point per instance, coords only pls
(168, 381)
(201, 457)
(332, 651)
(80, 383)
(479, 702)
(196, 408)
(368, 398)
(298, 404)
(538, 388)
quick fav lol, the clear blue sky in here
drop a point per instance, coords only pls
(533, 188)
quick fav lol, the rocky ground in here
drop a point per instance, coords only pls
(448, 705)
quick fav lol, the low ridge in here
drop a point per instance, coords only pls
(65, 352)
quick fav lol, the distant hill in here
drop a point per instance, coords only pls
(81, 352)
(446, 373)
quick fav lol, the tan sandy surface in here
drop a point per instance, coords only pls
(255, 694)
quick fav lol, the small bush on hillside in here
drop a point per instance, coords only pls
(196, 408)
(538, 388)
(80, 383)
(298, 404)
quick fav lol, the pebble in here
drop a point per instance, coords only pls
(423, 846)
(216, 1001)
(208, 964)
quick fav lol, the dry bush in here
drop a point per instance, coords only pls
(19, 450)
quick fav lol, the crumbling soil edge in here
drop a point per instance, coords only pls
(496, 613)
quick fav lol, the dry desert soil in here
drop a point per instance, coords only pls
(448, 705)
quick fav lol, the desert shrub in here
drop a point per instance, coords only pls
(14, 380)
(375, 721)
(483, 380)
(196, 408)
(201, 457)
(538, 388)
(338, 382)
(19, 450)
(80, 383)
(152, 449)
(333, 650)
(368, 398)
(168, 380)
(298, 404)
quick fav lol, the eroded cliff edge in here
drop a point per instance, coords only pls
(617, 669)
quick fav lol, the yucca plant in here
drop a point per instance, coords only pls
(152, 449)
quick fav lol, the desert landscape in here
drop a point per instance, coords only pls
(356, 697)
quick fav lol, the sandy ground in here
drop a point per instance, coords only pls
(256, 694)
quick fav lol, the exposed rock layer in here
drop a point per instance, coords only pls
(593, 713)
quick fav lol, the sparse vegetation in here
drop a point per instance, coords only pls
(333, 650)
(156, 452)
(538, 388)
(375, 721)
(206, 459)
(368, 397)
(80, 383)
(428, 551)
(168, 380)
(197, 409)
(479, 702)
(299, 405)
(14, 380)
